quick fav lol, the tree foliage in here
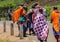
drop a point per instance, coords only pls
(5, 4)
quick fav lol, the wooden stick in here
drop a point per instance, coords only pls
(4, 24)
(12, 29)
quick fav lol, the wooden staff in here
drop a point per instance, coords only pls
(12, 29)
(4, 24)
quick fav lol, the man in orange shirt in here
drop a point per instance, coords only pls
(55, 21)
(20, 11)
(16, 15)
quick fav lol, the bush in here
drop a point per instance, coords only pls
(4, 5)
(48, 11)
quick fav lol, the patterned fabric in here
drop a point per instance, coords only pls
(41, 27)
(24, 26)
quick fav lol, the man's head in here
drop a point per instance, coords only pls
(21, 5)
(25, 8)
(55, 9)
(34, 5)
(37, 6)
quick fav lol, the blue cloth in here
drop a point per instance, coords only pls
(30, 18)
(24, 28)
(45, 15)
(22, 19)
(30, 25)
(55, 33)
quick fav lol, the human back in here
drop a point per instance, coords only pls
(20, 11)
(55, 20)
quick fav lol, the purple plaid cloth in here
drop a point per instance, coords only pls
(41, 27)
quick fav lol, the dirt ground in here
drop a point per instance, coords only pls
(7, 35)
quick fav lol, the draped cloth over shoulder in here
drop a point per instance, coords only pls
(20, 11)
(55, 20)
(41, 27)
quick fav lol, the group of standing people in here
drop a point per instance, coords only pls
(35, 20)
(39, 22)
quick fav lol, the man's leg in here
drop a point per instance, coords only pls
(10, 17)
(18, 30)
(41, 40)
(29, 31)
(24, 31)
(33, 31)
(46, 40)
(57, 37)
(29, 24)
(55, 34)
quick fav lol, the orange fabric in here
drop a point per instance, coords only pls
(55, 20)
(20, 11)
(24, 12)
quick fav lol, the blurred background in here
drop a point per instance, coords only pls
(5, 5)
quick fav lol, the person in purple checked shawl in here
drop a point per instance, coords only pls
(41, 26)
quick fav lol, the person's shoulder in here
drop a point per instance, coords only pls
(53, 12)
(19, 8)
(44, 9)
